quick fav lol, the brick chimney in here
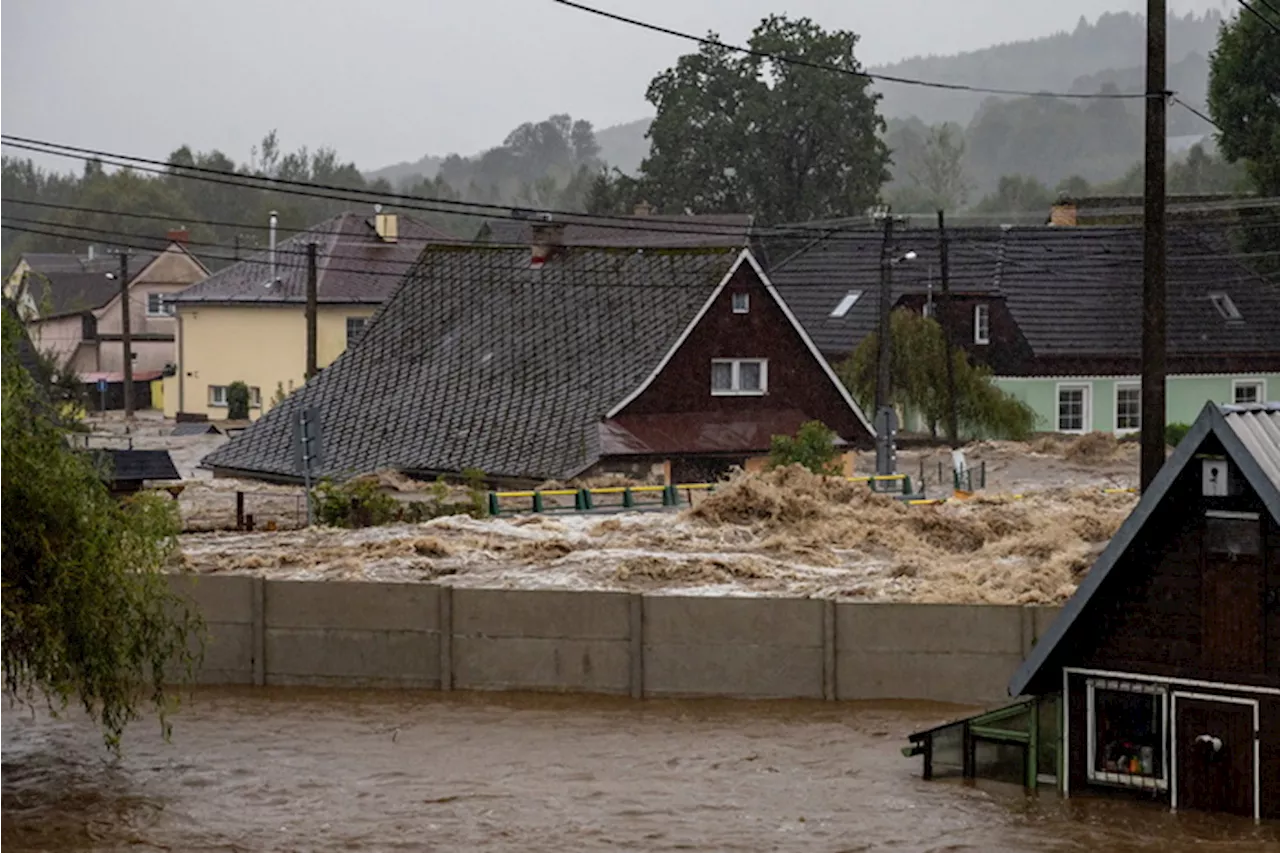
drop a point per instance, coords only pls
(547, 239)
(179, 235)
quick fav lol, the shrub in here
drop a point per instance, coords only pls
(813, 447)
(238, 401)
(1174, 433)
(357, 503)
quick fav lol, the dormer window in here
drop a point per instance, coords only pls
(1225, 306)
(982, 324)
(741, 303)
(846, 303)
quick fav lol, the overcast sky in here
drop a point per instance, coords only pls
(395, 79)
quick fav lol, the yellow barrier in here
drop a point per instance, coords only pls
(695, 485)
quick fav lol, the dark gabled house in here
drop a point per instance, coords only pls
(1055, 313)
(127, 471)
(1160, 677)
(559, 362)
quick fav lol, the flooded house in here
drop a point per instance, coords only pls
(1160, 677)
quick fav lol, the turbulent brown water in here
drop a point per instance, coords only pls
(275, 769)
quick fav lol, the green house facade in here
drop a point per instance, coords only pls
(1080, 404)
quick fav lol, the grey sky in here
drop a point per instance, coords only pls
(393, 80)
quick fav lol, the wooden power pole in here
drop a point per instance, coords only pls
(312, 299)
(1154, 366)
(126, 333)
(944, 320)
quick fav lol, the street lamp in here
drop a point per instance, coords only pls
(886, 422)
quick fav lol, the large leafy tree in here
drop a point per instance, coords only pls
(1244, 95)
(748, 133)
(88, 615)
(918, 368)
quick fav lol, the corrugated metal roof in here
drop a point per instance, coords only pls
(1258, 427)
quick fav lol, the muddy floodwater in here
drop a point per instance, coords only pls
(276, 769)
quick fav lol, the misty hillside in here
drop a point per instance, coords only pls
(623, 146)
(1114, 45)
(406, 172)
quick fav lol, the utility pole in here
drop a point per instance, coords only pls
(1153, 252)
(126, 336)
(944, 319)
(312, 298)
(885, 419)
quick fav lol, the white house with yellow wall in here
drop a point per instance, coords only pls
(248, 322)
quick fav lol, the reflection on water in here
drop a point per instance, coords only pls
(277, 769)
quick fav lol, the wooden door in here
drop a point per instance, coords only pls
(1233, 585)
(1215, 762)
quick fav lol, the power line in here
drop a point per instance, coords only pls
(333, 192)
(1261, 17)
(1175, 99)
(866, 75)
(1272, 9)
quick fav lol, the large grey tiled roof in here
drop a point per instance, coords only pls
(1072, 291)
(712, 229)
(353, 265)
(480, 361)
(62, 284)
(814, 275)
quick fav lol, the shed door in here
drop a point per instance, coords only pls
(1214, 769)
(1232, 607)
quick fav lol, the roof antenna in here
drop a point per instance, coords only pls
(273, 219)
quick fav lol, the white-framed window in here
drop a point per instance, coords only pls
(217, 395)
(159, 305)
(846, 303)
(255, 397)
(1247, 391)
(1226, 308)
(355, 326)
(1074, 407)
(982, 324)
(739, 376)
(1128, 733)
(741, 303)
(1128, 407)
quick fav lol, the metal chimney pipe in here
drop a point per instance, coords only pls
(271, 252)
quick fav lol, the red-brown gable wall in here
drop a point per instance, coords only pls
(796, 379)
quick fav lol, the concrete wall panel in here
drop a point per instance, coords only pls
(963, 677)
(351, 658)
(540, 613)
(353, 606)
(946, 628)
(698, 620)
(533, 663)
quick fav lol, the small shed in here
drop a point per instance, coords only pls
(125, 471)
(1160, 678)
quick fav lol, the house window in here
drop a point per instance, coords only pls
(217, 395)
(846, 303)
(1245, 392)
(255, 397)
(745, 376)
(355, 325)
(1127, 739)
(1128, 408)
(1073, 408)
(1237, 534)
(741, 303)
(1226, 308)
(158, 305)
(982, 324)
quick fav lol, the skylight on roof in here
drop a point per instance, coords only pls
(1225, 306)
(846, 302)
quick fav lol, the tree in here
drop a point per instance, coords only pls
(238, 401)
(746, 133)
(939, 171)
(813, 446)
(1244, 95)
(918, 370)
(1017, 194)
(88, 615)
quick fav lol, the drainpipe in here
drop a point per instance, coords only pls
(271, 252)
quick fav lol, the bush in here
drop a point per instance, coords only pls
(1174, 433)
(237, 401)
(813, 447)
(357, 503)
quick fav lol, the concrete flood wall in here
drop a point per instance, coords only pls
(439, 637)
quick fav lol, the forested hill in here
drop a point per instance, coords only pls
(1110, 49)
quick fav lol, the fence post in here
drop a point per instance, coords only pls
(239, 510)
(906, 484)
(627, 502)
(494, 508)
(588, 502)
(537, 501)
